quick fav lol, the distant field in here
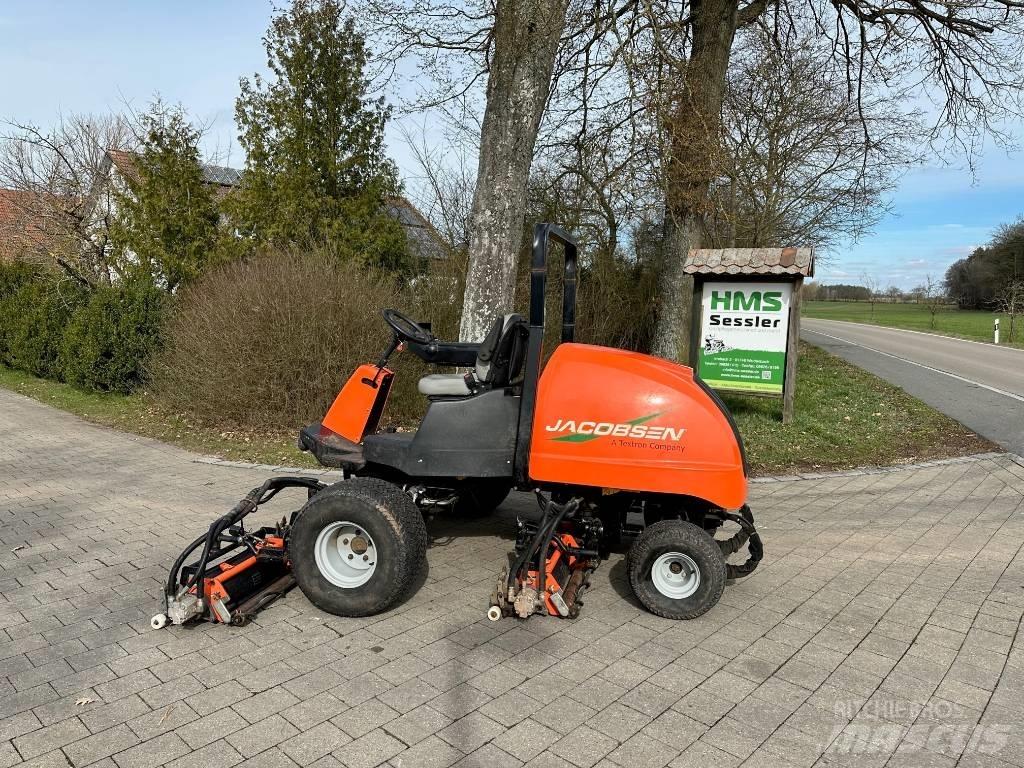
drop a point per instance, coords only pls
(950, 321)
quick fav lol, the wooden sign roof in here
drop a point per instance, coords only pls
(750, 261)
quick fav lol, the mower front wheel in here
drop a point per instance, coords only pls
(358, 547)
(676, 569)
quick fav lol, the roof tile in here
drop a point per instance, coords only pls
(751, 261)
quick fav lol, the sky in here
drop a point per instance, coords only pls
(73, 56)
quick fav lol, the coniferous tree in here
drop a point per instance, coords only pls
(165, 228)
(316, 170)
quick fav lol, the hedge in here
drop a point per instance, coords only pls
(33, 314)
(108, 340)
(94, 339)
(268, 342)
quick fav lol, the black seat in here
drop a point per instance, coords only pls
(499, 361)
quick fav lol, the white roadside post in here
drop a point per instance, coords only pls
(997, 330)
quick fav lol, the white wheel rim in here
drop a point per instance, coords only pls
(675, 575)
(345, 554)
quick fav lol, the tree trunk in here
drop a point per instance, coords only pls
(672, 333)
(692, 128)
(526, 35)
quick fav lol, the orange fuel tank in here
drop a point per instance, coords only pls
(609, 418)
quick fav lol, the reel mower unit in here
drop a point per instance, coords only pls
(238, 572)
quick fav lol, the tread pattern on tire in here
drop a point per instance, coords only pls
(401, 514)
(670, 532)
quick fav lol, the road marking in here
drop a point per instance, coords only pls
(921, 365)
(988, 344)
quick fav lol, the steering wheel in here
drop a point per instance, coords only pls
(405, 328)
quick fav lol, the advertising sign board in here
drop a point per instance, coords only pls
(743, 335)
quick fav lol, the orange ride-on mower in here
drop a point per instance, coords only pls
(613, 443)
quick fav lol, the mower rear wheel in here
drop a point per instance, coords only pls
(481, 498)
(676, 569)
(358, 547)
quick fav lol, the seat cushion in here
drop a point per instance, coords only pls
(452, 384)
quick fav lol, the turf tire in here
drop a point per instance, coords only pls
(482, 498)
(394, 523)
(676, 536)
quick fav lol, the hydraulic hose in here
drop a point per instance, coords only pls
(570, 507)
(545, 531)
(221, 524)
(172, 577)
(746, 535)
(528, 552)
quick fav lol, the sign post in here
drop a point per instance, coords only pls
(746, 319)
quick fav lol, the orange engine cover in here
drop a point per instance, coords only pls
(609, 418)
(358, 407)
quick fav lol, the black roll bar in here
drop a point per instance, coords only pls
(543, 234)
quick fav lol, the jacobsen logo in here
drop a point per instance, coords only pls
(583, 431)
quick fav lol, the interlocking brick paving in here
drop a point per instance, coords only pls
(881, 629)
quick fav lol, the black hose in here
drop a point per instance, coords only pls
(747, 534)
(545, 532)
(221, 524)
(172, 577)
(570, 506)
(527, 553)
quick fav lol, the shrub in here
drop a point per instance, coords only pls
(34, 310)
(615, 301)
(13, 275)
(615, 305)
(268, 342)
(109, 338)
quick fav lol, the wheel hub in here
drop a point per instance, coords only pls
(359, 545)
(675, 575)
(345, 555)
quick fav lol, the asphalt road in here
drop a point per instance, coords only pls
(979, 385)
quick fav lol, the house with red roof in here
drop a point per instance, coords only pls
(24, 229)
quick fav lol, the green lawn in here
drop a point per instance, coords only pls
(844, 418)
(949, 321)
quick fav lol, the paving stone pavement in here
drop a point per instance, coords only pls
(883, 628)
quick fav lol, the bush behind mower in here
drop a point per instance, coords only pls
(612, 442)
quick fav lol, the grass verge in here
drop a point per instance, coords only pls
(137, 414)
(949, 321)
(845, 417)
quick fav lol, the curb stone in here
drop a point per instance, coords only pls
(330, 474)
(893, 468)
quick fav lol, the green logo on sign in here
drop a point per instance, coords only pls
(738, 301)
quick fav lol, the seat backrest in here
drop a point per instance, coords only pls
(501, 353)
